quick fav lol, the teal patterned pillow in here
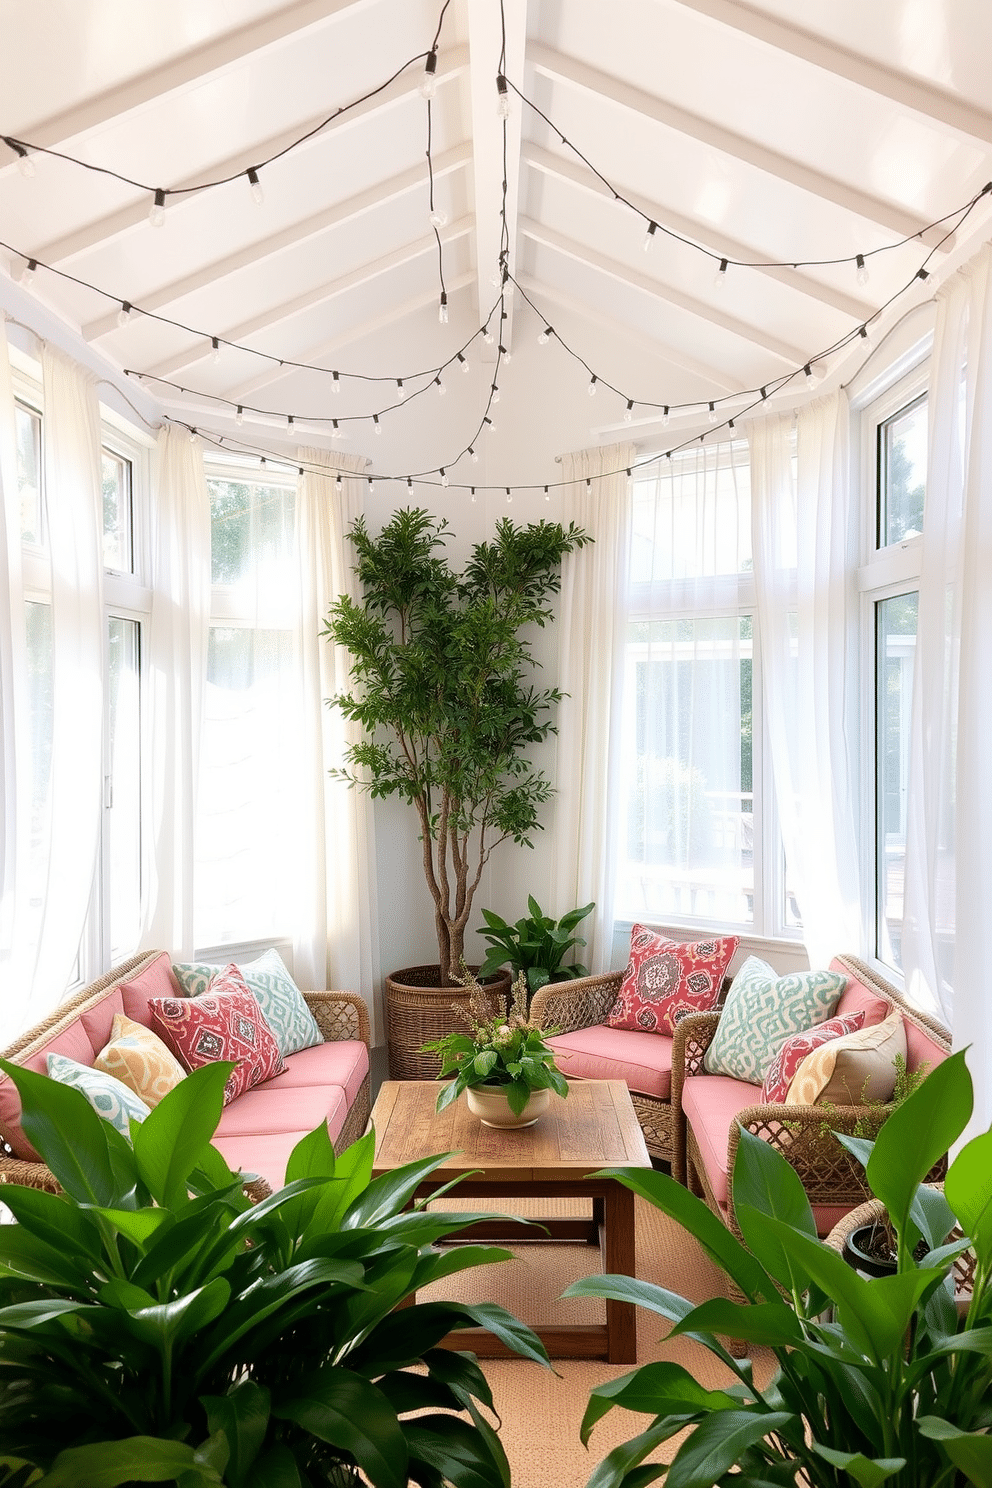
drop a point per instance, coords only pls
(109, 1098)
(278, 996)
(763, 1010)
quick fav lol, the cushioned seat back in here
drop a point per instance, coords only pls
(858, 996)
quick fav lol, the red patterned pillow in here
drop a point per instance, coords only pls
(225, 1023)
(778, 1076)
(666, 980)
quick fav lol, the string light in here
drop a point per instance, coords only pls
(472, 489)
(628, 412)
(764, 393)
(588, 485)
(466, 365)
(215, 349)
(376, 426)
(474, 455)
(489, 338)
(442, 309)
(409, 482)
(335, 383)
(400, 389)
(444, 477)
(24, 162)
(156, 212)
(491, 423)
(124, 314)
(547, 494)
(441, 389)
(712, 413)
(339, 485)
(862, 268)
(428, 83)
(502, 98)
(335, 431)
(545, 336)
(509, 496)
(28, 272)
(592, 386)
(665, 416)
(812, 380)
(720, 278)
(371, 484)
(649, 235)
(239, 417)
(495, 394)
(257, 194)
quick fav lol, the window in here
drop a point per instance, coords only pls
(118, 548)
(27, 429)
(902, 473)
(695, 843)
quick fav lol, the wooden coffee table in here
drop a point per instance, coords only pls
(594, 1128)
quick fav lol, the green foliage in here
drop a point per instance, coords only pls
(503, 1051)
(441, 672)
(878, 1380)
(155, 1326)
(535, 945)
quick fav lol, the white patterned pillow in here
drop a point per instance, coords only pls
(763, 1010)
(280, 999)
(109, 1098)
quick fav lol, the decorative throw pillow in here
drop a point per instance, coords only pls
(109, 1097)
(856, 1070)
(282, 1003)
(138, 1058)
(667, 980)
(778, 1075)
(225, 1023)
(763, 1010)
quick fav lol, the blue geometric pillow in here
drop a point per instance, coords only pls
(763, 1010)
(280, 999)
(109, 1098)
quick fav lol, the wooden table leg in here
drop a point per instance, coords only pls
(618, 1259)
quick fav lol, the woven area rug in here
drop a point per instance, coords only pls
(541, 1411)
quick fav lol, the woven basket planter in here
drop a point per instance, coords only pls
(419, 1011)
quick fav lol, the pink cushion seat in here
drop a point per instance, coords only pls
(266, 1156)
(74, 1044)
(154, 980)
(271, 1110)
(99, 1020)
(643, 1060)
(344, 1062)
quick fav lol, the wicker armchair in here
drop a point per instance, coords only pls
(832, 1178)
(584, 1003)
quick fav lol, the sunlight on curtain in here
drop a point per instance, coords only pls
(590, 633)
(686, 824)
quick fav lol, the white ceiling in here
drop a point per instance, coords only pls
(782, 131)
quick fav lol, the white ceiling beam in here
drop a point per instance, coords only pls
(92, 234)
(329, 349)
(186, 70)
(414, 179)
(319, 295)
(559, 68)
(876, 77)
(577, 175)
(589, 258)
(608, 325)
(484, 42)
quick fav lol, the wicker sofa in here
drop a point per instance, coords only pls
(328, 1082)
(710, 1111)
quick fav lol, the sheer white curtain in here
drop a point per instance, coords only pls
(175, 680)
(333, 941)
(804, 547)
(949, 827)
(685, 838)
(591, 633)
(73, 494)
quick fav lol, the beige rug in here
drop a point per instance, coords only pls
(541, 1411)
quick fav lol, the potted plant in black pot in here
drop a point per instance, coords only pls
(443, 692)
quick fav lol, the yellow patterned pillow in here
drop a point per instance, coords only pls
(139, 1059)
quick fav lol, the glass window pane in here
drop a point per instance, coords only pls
(118, 553)
(902, 474)
(124, 796)
(694, 519)
(251, 532)
(895, 657)
(687, 846)
(27, 425)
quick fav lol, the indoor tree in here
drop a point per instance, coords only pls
(442, 672)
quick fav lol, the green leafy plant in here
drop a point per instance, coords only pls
(878, 1381)
(157, 1327)
(441, 669)
(503, 1051)
(536, 946)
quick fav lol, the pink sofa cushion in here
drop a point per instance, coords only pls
(74, 1044)
(344, 1062)
(857, 997)
(99, 1021)
(921, 1049)
(271, 1109)
(643, 1060)
(710, 1103)
(267, 1155)
(154, 980)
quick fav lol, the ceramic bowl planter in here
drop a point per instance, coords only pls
(491, 1106)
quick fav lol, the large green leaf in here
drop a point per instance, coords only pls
(353, 1169)
(169, 1323)
(970, 1451)
(53, 1218)
(171, 1139)
(243, 1416)
(68, 1133)
(270, 1295)
(508, 1329)
(457, 1450)
(919, 1133)
(968, 1190)
(136, 1225)
(350, 1413)
(276, 1469)
(435, 1265)
(142, 1459)
(23, 1254)
(717, 1443)
(617, 1467)
(770, 1324)
(867, 1472)
(461, 1372)
(764, 1183)
(663, 1388)
(391, 1192)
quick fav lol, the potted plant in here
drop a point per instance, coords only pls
(156, 1326)
(504, 1065)
(882, 1380)
(536, 945)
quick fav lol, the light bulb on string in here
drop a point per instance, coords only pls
(339, 485)
(545, 336)
(547, 494)
(491, 423)
(376, 426)
(502, 98)
(712, 413)
(438, 219)
(442, 309)
(588, 485)
(335, 382)
(371, 485)
(409, 482)
(124, 314)
(156, 212)
(466, 365)
(649, 235)
(592, 386)
(473, 495)
(474, 455)
(862, 268)
(400, 389)
(24, 162)
(428, 83)
(488, 337)
(665, 415)
(335, 431)
(628, 413)
(441, 389)
(444, 476)
(495, 394)
(192, 439)
(811, 378)
(865, 334)
(506, 355)
(239, 416)
(257, 194)
(720, 277)
(28, 272)
(509, 496)
(214, 349)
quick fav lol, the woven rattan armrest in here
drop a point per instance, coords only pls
(690, 1041)
(582, 1003)
(339, 1015)
(804, 1135)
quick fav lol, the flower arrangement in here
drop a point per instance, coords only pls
(504, 1050)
